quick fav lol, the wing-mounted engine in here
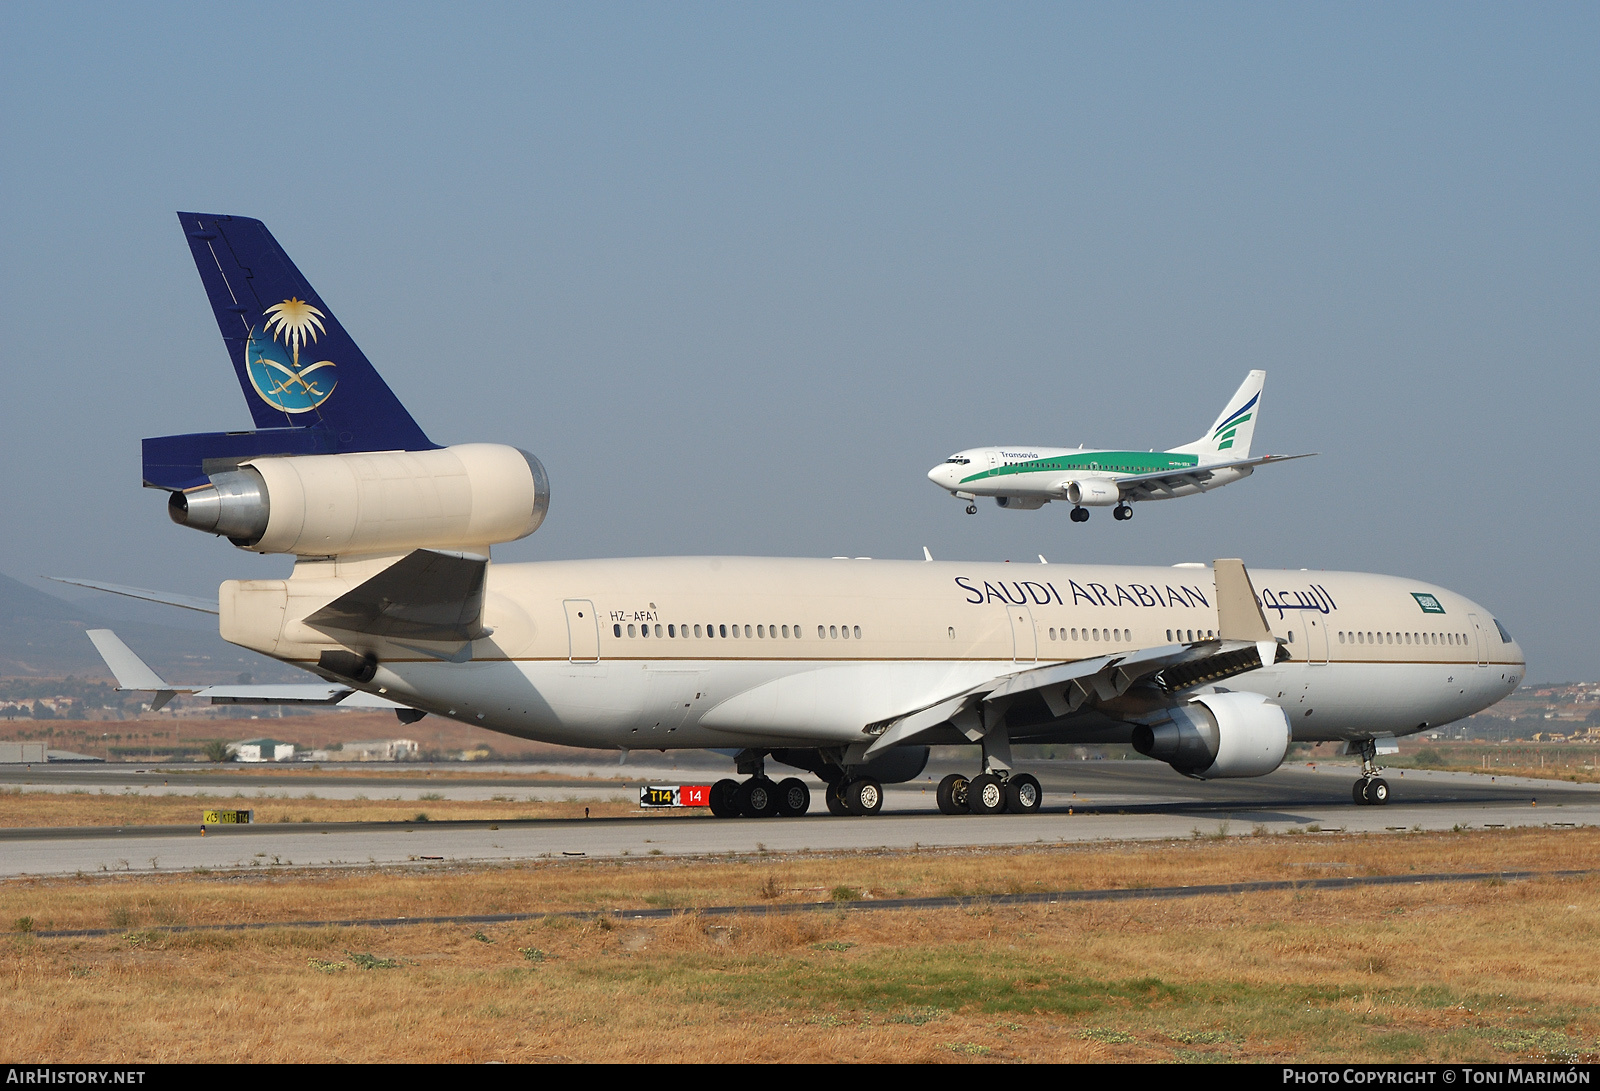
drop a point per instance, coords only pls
(466, 497)
(1092, 492)
(1219, 735)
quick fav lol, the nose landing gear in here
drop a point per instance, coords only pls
(972, 509)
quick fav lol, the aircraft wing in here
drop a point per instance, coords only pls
(1244, 643)
(428, 594)
(166, 598)
(1153, 486)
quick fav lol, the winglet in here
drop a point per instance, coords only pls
(1239, 615)
(130, 671)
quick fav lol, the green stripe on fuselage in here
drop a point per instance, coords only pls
(1116, 462)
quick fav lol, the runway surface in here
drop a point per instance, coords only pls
(1084, 801)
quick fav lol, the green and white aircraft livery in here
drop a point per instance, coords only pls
(1028, 478)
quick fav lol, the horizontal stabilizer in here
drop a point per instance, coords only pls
(426, 595)
(166, 598)
(130, 671)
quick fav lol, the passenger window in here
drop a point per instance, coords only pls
(630, 630)
(1291, 636)
(952, 632)
(658, 630)
(616, 630)
(821, 632)
(797, 632)
(858, 632)
(722, 631)
(833, 631)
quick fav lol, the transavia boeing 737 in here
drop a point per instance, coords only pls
(850, 669)
(1027, 478)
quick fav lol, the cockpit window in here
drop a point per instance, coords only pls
(1505, 637)
(958, 460)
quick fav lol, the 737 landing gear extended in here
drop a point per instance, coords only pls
(1080, 515)
(1122, 512)
(972, 509)
(989, 794)
(1371, 790)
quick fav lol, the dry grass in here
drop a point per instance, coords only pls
(1484, 971)
(31, 809)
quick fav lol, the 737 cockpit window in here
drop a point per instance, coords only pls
(958, 460)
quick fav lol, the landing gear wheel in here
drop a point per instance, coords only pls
(757, 798)
(794, 798)
(952, 794)
(972, 509)
(1377, 791)
(864, 796)
(1122, 512)
(834, 798)
(1358, 792)
(722, 801)
(1080, 515)
(986, 795)
(1023, 795)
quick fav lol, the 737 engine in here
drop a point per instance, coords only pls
(1092, 492)
(1219, 735)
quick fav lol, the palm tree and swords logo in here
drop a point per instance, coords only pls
(276, 374)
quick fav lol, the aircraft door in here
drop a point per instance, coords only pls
(1024, 637)
(1314, 627)
(1478, 641)
(583, 631)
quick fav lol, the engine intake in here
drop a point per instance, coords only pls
(1219, 735)
(1092, 493)
(466, 497)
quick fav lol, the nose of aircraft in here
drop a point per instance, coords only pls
(940, 475)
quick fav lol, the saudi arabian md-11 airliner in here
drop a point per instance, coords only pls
(1028, 478)
(849, 669)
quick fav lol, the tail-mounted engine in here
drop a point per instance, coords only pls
(1219, 735)
(465, 497)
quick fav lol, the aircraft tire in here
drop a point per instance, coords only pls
(952, 794)
(722, 801)
(1377, 791)
(1024, 795)
(1358, 792)
(794, 798)
(986, 795)
(1122, 512)
(1080, 515)
(835, 800)
(757, 798)
(972, 509)
(863, 797)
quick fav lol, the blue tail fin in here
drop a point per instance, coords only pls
(309, 388)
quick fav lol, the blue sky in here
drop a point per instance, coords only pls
(740, 274)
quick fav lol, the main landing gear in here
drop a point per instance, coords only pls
(1371, 790)
(991, 793)
(1080, 515)
(1122, 512)
(760, 797)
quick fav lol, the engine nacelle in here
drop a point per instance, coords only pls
(466, 497)
(1092, 492)
(1219, 735)
(1021, 503)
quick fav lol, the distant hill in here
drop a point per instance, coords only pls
(42, 636)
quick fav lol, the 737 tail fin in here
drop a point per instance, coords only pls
(1229, 437)
(309, 388)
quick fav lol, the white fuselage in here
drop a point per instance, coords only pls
(737, 651)
(1043, 474)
